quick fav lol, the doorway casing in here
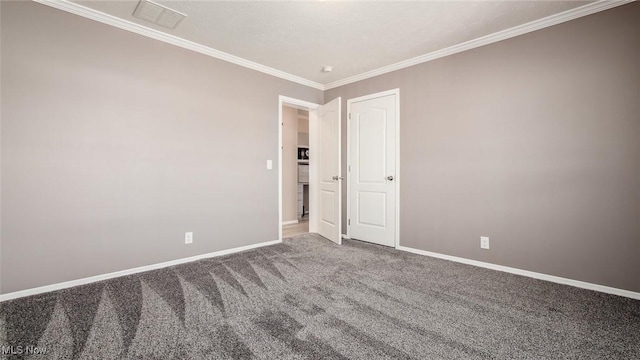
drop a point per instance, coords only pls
(313, 191)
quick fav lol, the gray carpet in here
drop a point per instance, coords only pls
(310, 299)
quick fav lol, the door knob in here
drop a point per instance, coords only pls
(390, 177)
(337, 177)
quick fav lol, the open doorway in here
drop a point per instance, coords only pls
(295, 171)
(324, 175)
(297, 196)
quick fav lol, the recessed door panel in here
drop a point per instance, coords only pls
(372, 207)
(328, 146)
(371, 145)
(327, 212)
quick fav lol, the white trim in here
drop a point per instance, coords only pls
(397, 175)
(92, 279)
(395, 92)
(374, 96)
(345, 237)
(548, 21)
(314, 191)
(99, 16)
(290, 222)
(339, 224)
(280, 126)
(531, 274)
(297, 102)
(348, 177)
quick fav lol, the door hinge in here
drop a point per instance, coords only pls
(349, 167)
(349, 116)
(348, 221)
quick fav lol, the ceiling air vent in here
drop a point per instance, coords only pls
(158, 14)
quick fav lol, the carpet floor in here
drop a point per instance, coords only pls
(308, 298)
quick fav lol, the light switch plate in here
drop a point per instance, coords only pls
(269, 164)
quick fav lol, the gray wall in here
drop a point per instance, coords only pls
(532, 141)
(114, 145)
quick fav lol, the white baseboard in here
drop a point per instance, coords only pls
(92, 279)
(531, 274)
(345, 237)
(289, 222)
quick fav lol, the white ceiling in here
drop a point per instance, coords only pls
(354, 37)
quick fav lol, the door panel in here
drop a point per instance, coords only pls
(370, 146)
(328, 214)
(372, 174)
(372, 208)
(328, 154)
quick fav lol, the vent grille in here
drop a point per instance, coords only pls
(158, 14)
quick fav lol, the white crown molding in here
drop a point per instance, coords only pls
(531, 274)
(92, 279)
(486, 40)
(568, 15)
(99, 16)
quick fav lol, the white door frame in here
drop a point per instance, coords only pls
(313, 189)
(395, 92)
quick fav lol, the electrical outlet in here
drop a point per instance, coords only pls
(188, 238)
(484, 242)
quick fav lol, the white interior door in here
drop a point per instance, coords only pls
(372, 169)
(329, 171)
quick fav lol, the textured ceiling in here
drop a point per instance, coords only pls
(354, 37)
